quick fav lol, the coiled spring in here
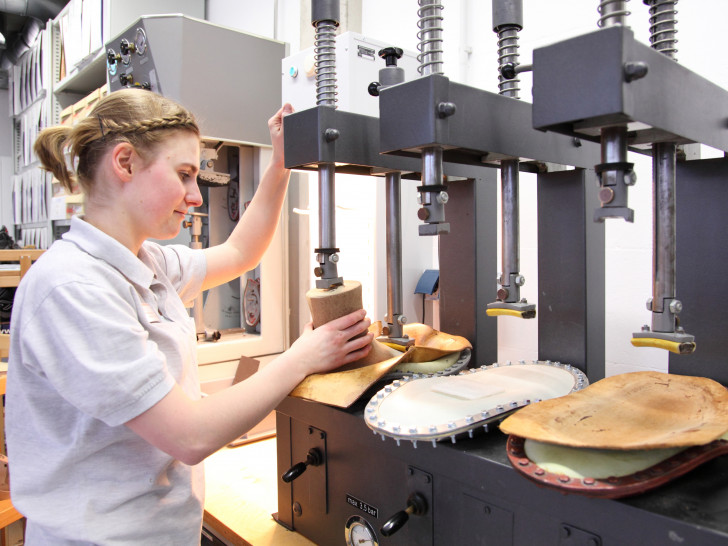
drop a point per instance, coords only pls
(612, 12)
(325, 63)
(430, 37)
(663, 20)
(508, 54)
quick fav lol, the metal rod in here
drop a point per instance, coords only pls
(510, 246)
(663, 253)
(508, 54)
(612, 12)
(394, 252)
(663, 20)
(327, 203)
(614, 147)
(430, 37)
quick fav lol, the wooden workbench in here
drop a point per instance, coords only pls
(241, 495)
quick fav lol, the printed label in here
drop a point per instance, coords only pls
(363, 506)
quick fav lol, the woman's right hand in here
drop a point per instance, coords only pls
(333, 344)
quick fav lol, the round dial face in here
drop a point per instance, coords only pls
(140, 41)
(360, 533)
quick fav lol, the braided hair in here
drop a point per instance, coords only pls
(142, 118)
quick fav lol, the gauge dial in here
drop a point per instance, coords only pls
(360, 533)
(140, 41)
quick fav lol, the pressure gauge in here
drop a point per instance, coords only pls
(140, 41)
(360, 533)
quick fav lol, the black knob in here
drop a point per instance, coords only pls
(126, 47)
(374, 89)
(390, 55)
(416, 504)
(112, 56)
(508, 71)
(313, 458)
(126, 79)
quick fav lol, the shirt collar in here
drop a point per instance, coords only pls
(104, 247)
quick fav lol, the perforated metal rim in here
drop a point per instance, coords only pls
(452, 429)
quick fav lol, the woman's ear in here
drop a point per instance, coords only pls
(123, 158)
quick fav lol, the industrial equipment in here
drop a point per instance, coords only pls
(360, 487)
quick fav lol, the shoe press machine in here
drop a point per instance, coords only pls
(595, 97)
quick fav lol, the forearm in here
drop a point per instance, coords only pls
(250, 238)
(190, 430)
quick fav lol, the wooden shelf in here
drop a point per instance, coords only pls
(8, 513)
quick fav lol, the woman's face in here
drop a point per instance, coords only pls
(166, 187)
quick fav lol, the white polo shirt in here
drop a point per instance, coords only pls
(98, 336)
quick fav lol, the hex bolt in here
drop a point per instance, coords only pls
(676, 306)
(630, 178)
(442, 197)
(520, 280)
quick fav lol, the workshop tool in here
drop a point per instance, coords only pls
(507, 22)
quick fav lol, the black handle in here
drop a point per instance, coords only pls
(313, 458)
(416, 504)
(373, 89)
(112, 56)
(126, 47)
(390, 55)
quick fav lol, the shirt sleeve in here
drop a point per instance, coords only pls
(184, 267)
(88, 342)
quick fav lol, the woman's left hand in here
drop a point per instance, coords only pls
(275, 126)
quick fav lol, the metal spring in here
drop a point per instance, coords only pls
(663, 20)
(430, 37)
(325, 63)
(508, 54)
(610, 15)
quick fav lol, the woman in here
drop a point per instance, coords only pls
(106, 426)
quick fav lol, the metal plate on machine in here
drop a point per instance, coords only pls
(436, 408)
(309, 491)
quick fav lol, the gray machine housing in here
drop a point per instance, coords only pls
(175, 64)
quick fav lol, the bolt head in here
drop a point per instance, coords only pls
(676, 306)
(606, 195)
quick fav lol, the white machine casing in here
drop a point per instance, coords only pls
(357, 65)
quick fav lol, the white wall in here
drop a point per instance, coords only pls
(470, 58)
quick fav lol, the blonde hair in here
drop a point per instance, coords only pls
(142, 118)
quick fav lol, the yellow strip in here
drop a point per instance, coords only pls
(400, 348)
(506, 312)
(672, 346)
